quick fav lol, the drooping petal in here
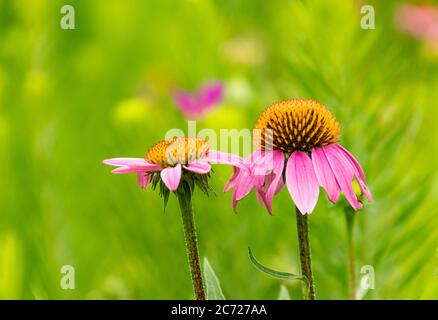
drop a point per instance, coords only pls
(344, 173)
(360, 175)
(249, 178)
(242, 187)
(280, 185)
(244, 184)
(243, 178)
(325, 175)
(261, 185)
(215, 156)
(240, 184)
(261, 197)
(171, 177)
(261, 162)
(143, 180)
(199, 167)
(301, 181)
(277, 181)
(233, 179)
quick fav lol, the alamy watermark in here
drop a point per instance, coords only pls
(368, 19)
(68, 19)
(232, 141)
(368, 278)
(67, 281)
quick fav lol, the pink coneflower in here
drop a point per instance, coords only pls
(178, 165)
(195, 105)
(298, 145)
(171, 159)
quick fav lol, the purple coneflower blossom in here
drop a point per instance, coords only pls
(195, 105)
(178, 165)
(298, 146)
(171, 159)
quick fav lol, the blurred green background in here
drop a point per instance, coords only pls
(70, 98)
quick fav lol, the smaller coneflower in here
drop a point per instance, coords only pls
(195, 105)
(297, 145)
(178, 165)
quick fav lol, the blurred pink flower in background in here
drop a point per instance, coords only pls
(196, 104)
(420, 21)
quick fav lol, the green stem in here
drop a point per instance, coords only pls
(349, 218)
(185, 203)
(305, 254)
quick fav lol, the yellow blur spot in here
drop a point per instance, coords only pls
(36, 84)
(356, 188)
(10, 267)
(226, 117)
(131, 111)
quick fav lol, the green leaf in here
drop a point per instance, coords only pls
(275, 273)
(213, 287)
(284, 293)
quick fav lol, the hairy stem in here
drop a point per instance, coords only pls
(185, 203)
(305, 254)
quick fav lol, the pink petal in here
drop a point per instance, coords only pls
(126, 161)
(344, 173)
(144, 180)
(360, 175)
(171, 177)
(126, 169)
(279, 186)
(134, 165)
(233, 179)
(214, 156)
(261, 185)
(262, 162)
(301, 181)
(261, 197)
(242, 180)
(325, 175)
(277, 181)
(244, 185)
(198, 167)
